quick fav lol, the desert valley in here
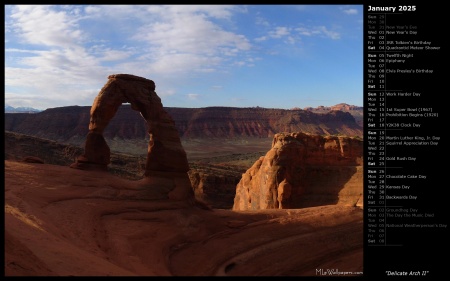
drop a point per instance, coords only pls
(128, 187)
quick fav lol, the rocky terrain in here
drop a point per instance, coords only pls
(356, 111)
(213, 178)
(89, 210)
(69, 222)
(127, 132)
(221, 143)
(126, 229)
(304, 170)
(19, 146)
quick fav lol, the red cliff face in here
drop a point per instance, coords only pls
(70, 124)
(231, 122)
(59, 124)
(214, 187)
(303, 170)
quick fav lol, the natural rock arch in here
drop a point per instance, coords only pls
(166, 157)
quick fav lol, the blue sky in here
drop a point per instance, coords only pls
(273, 56)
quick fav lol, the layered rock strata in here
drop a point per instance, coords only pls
(303, 170)
(214, 187)
(68, 124)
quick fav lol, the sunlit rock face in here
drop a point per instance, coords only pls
(303, 170)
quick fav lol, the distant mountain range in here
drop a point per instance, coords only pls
(21, 109)
(127, 130)
(71, 122)
(341, 106)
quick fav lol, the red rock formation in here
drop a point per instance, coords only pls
(229, 122)
(302, 170)
(166, 165)
(340, 107)
(70, 124)
(33, 159)
(215, 189)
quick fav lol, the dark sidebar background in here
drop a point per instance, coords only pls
(415, 244)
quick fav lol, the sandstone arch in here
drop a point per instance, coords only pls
(166, 158)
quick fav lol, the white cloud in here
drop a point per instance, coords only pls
(184, 39)
(70, 47)
(192, 34)
(216, 11)
(350, 11)
(41, 25)
(305, 31)
(279, 32)
(193, 96)
(109, 54)
(262, 21)
(329, 33)
(249, 62)
(164, 89)
(317, 31)
(260, 39)
(59, 66)
(290, 40)
(182, 63)
(64, 54)
(92, 10)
